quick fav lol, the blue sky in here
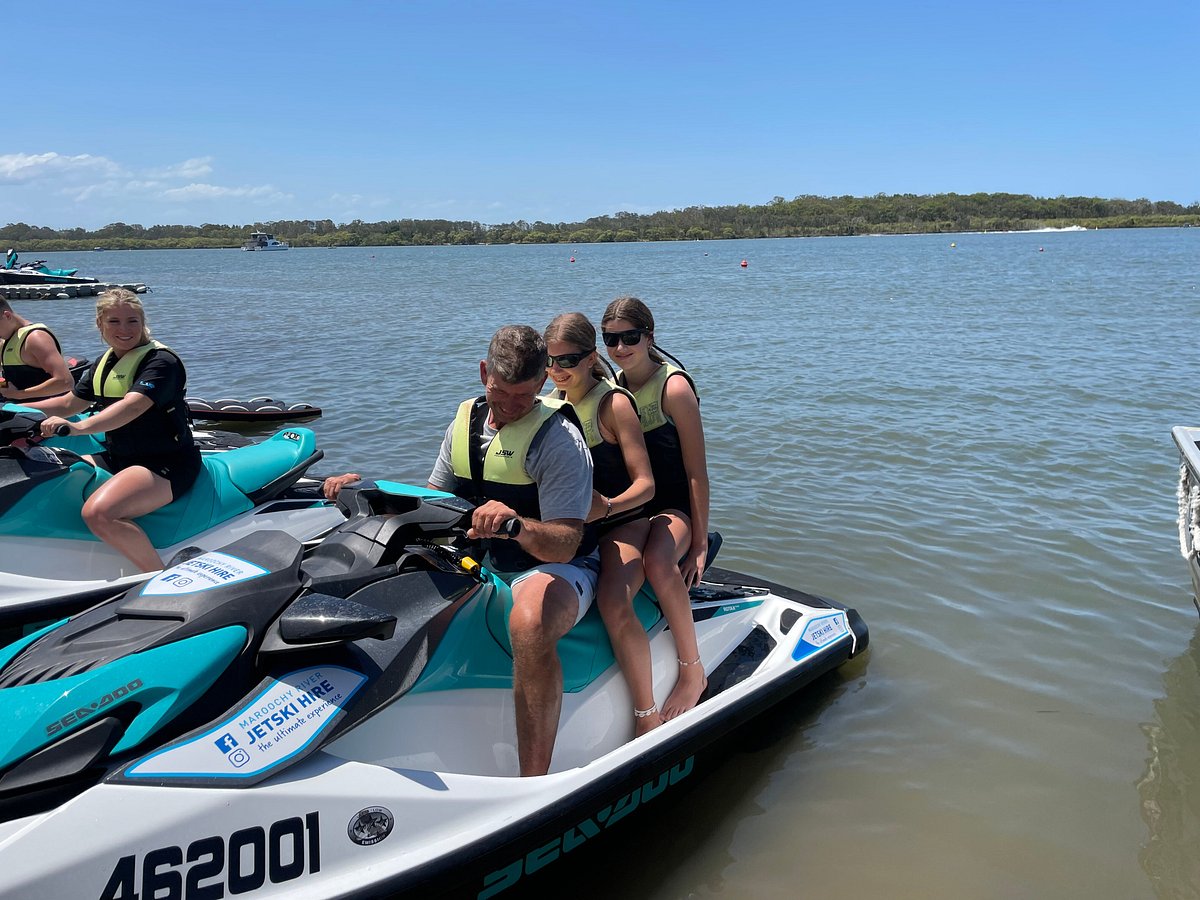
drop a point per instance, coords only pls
(232, 113)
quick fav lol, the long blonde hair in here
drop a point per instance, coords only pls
(121, 297)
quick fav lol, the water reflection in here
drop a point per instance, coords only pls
(1170, 788)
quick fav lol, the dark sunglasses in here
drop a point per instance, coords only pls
(567, 360)
(630, 338)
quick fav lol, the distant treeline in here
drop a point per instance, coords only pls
(804, 216)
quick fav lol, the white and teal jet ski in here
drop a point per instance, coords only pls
(260, 721)
(50, 562)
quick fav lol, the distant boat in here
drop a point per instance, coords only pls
(260, 240)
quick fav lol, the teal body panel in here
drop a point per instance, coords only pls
(219, 494)
(52, 510)
(82, 444)
(476, 651)
(163, 681)
(409, 490)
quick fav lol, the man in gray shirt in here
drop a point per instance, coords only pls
(517, 455)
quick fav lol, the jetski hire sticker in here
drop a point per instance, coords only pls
(819, 631)
(202, 573)
(277, 725)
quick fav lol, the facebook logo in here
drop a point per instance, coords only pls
(226, 742)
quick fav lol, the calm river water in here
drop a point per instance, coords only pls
(967, 437)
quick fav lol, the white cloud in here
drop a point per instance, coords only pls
(112, 188)
(189, 168)
(28, 167)
(87, 190)
(199, 191)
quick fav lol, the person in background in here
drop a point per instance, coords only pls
(31, 361)
(669, 410)
(139, 386)
(517, 455)
(622, 484)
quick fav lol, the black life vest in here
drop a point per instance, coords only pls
(159, 430)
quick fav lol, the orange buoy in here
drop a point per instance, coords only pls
(744, 264)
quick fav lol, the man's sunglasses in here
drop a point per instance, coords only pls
(630, 338)
(567, 360)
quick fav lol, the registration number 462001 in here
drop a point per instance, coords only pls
(218, 866)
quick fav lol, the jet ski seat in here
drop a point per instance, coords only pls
(482, 657)
(229, 483)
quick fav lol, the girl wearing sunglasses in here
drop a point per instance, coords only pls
(622, 485)
(676, 530)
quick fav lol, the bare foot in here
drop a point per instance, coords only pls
(687, 691)
(646, 724)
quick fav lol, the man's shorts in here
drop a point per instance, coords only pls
(580, 573)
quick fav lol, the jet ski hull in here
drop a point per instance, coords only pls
(420, 798)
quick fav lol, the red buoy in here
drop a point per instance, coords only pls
(744, 264)
(572, 259)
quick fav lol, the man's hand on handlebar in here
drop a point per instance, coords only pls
(494, 520)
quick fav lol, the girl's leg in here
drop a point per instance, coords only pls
(670, 535)
(621, 577)
(110, 512)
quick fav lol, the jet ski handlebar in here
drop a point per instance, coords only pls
(19, 424)
(25, 424)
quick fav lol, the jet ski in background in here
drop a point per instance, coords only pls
(50, 562)
(340, 722)
(37, 272)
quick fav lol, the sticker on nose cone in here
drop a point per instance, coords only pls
(282, 721)
(818, 632)
(202, 573)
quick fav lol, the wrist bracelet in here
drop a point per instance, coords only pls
(609, 502)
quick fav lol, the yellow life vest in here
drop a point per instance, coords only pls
(505, 461)
(11, 354)
(502, 475)
(588, 409)
(649, 396)
(115, 384)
